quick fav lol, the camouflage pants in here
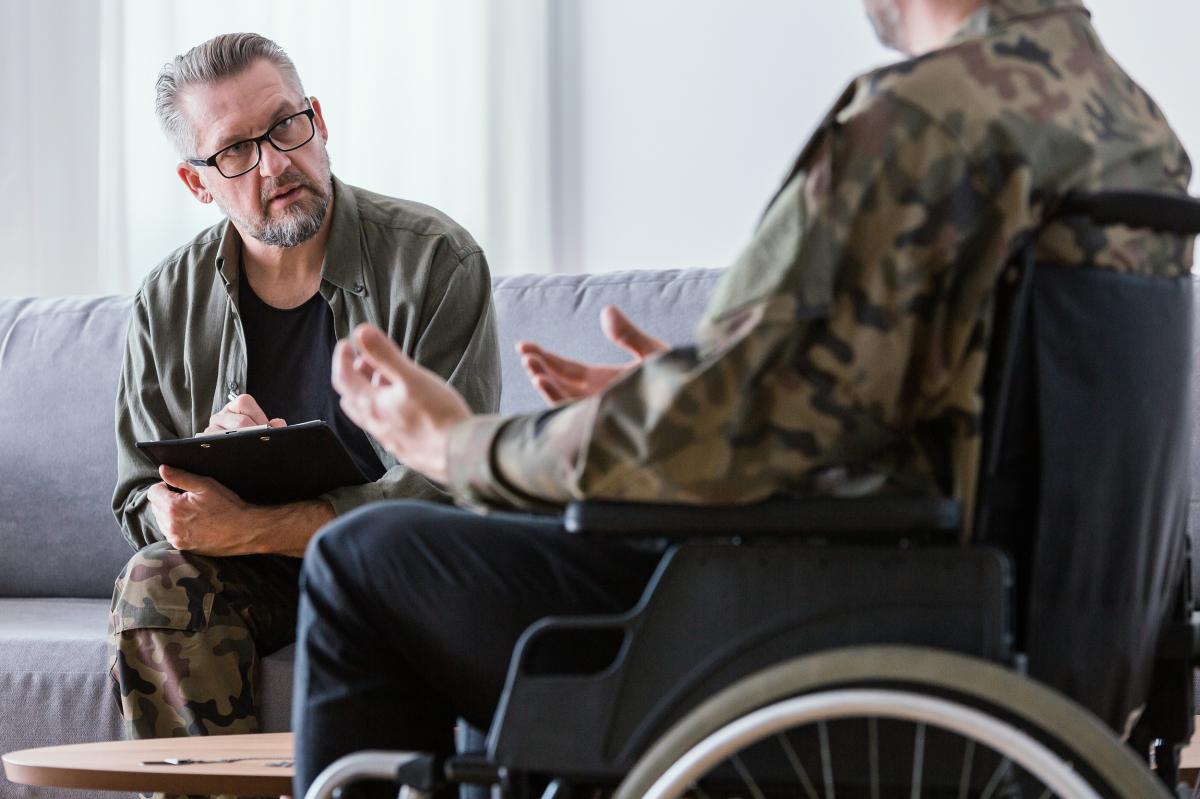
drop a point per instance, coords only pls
(185, 636)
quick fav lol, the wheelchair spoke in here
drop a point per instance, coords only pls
(912, 736)
(964, 783)
(797, 766)
(998, 775)
(826, 760)
(744, 773)
(873, 754)
(918, 761)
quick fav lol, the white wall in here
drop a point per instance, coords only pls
(568, 135)
(48, 164)
(1156, 41)
(691, 112)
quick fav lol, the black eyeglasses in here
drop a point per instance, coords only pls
(289, 133)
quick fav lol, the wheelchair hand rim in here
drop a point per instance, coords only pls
(1016, 745)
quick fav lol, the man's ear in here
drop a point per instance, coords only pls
(319, 119)
(195, 184)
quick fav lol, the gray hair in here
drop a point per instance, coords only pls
(219, 58)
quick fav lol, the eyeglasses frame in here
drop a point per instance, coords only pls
(257, 142)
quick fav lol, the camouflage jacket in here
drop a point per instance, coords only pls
(844, 351)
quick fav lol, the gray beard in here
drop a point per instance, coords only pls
(298, 225)
(300, 222)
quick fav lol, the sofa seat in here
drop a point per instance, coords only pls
(54, 683)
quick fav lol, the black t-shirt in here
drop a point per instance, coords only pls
(289, 359)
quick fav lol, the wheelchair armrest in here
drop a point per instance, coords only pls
(856, 518)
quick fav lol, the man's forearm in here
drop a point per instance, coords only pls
(287, 529)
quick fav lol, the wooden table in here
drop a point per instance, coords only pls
(263, 765)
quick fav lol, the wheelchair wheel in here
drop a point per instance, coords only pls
(889, 721)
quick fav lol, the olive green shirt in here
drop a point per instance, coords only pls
(399, 265)
(844, 351)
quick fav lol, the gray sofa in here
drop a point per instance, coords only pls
(59, 545)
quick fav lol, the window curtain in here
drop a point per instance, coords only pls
(442, 101)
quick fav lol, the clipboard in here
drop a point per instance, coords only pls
(264, 465)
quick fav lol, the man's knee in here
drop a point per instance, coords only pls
(168, 621)
(400, 542)
(373, 531)
(181, 661)
(162, 587)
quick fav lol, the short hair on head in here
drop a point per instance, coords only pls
(207, 63)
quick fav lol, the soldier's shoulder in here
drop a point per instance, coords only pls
(936, 85)
(399, 217)
(1022, 71)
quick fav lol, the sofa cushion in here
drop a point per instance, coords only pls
(60, 360)
(562, 313)
(53, 680)
(55, 688)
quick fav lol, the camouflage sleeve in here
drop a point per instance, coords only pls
(458, 341)
(807, 356)
(141, 415)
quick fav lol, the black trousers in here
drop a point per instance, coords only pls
(409, 613)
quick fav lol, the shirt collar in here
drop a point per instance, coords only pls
(343, 263)
(995, 14)
(229, 257)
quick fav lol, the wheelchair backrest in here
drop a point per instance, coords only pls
(1086, 457)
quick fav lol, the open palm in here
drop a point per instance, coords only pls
(560, 379)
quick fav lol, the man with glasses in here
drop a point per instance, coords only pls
(237, 328)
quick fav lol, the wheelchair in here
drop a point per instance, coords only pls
(833, 647)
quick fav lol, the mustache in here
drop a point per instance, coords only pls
(288, 180)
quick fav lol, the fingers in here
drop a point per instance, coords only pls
(562, 367)
(358, 411)
(184, 480)
(277, 423)
(352, 380)
(553, 387)
(380, 353)
(346, 378)
(246, 405)
(240, 412)
(551, 392)
(627, 335)
(160, 496)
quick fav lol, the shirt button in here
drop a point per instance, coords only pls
(358, 287)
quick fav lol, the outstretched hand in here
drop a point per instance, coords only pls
(402, 405)
(558, 379)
